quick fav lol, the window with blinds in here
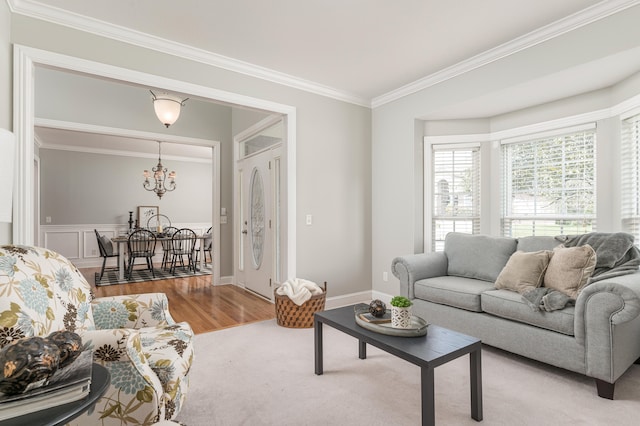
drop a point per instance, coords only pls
(456, 192)
(631, 176)
(549, 184)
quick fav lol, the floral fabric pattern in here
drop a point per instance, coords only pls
(110, 315)
(40, 292)
(169, 352)
(148, 354)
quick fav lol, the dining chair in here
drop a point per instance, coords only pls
(207, 242)
(141, 244)
(158, 223)
(183, 243)
(166, 244)
(106, 251)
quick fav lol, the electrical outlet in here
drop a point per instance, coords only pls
(47, 219)
(385, 276)
(309, 219)
(93, 252)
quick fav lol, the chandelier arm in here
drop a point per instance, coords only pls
(159, 185)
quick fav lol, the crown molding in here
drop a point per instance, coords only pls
(125, 133)
(579, 19)
(58, 16)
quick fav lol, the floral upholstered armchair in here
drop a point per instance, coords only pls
(147, 353)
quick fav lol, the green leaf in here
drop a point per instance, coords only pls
(108, 412)
(50, 314)
(8, 319)
(145, 395)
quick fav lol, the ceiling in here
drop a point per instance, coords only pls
(364, 51)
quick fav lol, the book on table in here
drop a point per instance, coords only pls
(368, 317)
(67, 384)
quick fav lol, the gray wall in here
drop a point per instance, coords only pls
(83, 99)
(85, 188)
(6, 74)
(333, 150)
(396, 212)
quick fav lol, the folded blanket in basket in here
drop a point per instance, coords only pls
(299, 290)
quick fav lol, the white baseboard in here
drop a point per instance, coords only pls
(226, 280)
(347, 299)
(386, 298)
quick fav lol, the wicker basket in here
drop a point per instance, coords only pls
(288, 314)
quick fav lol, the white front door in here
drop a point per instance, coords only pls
(256, 223)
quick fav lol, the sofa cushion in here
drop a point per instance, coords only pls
(459, 292)
(510, 305)
(524, 271)
(536, 243)
(570, 268)
(477, 256)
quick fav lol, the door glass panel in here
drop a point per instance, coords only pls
(277, 219)
(256, 217)
(268, 137)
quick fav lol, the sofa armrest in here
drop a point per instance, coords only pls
(133, 311)
(603, 310)
(411, 268)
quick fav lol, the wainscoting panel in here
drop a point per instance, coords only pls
(66, 242)
(78, 242)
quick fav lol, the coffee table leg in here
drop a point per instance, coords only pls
(362, 349)
(317, 338)
(475, 365)
(428, 397)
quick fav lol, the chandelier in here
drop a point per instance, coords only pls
(167, 107)
(159, 185)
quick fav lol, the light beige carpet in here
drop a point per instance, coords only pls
(263, 374)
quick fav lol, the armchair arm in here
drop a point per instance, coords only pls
(132, 311)
(135, 391)
(415, 267)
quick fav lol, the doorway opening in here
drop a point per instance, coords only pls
(27, 59)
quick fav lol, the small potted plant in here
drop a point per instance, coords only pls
(400, 312)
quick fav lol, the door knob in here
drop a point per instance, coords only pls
(244, 232)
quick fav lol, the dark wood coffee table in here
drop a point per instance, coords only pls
(438, 347)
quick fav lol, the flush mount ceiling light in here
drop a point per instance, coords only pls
(167, 107)
(159, 183)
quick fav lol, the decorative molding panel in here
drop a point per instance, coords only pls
(78, 242)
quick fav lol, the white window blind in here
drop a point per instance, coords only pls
(456, 192)
(631, 176)
(549, 185)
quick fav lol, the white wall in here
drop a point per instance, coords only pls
(333, 150)
(396, 171)
(6, 73)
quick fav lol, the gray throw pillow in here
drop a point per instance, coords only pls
(107, 244)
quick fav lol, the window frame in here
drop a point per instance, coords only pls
(630, 173)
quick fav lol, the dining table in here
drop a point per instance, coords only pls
(121, 242)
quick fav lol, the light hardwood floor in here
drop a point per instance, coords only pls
(194, 300)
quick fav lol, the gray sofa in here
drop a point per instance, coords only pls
(598, 335)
